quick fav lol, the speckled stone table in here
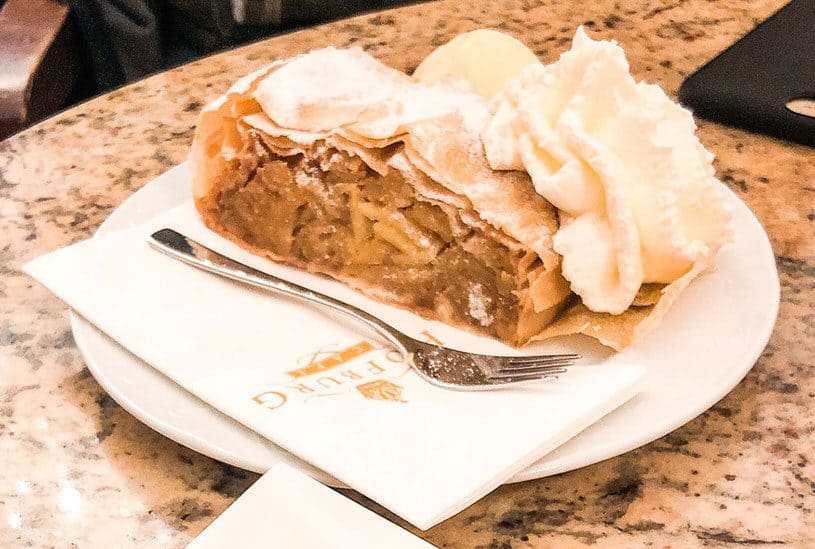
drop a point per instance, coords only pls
(77, 470)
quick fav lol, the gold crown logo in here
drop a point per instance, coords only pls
(381, 389)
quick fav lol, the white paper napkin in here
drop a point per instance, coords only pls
(315, 383)
(286, 508)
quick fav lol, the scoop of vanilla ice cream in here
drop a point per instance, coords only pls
(636, 190)
(484, 58)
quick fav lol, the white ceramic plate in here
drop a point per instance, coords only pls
(704, 347)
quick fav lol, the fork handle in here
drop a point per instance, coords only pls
(191, 252)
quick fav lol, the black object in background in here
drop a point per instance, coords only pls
(124, 40)
(750, 84)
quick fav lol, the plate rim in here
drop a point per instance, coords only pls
(82, 329)
(159, 425)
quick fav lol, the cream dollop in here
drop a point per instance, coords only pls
(636, 190)
(484, 59)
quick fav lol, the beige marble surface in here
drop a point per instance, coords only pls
(77, 470)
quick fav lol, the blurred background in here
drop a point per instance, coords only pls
(55, 53)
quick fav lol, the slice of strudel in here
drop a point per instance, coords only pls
(335, 163)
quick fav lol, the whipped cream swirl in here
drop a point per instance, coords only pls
(636, 191)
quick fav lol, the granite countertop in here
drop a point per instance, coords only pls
(78, 470)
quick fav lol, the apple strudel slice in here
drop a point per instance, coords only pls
(335, 163)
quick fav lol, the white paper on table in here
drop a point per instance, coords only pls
(287, 508)
(314, 382)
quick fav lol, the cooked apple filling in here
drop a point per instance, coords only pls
(327, 211)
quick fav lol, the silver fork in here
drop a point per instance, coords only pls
(439, 365)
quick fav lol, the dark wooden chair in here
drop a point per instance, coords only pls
(38, 61)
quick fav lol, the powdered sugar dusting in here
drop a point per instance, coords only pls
(414, 102)
(309, 177)
(329, 88)
(326, 88)
(305, 179)
(477, 304)
(327, 163)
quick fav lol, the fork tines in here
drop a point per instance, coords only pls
(530, 368)
(542, 359)
(517, 378)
